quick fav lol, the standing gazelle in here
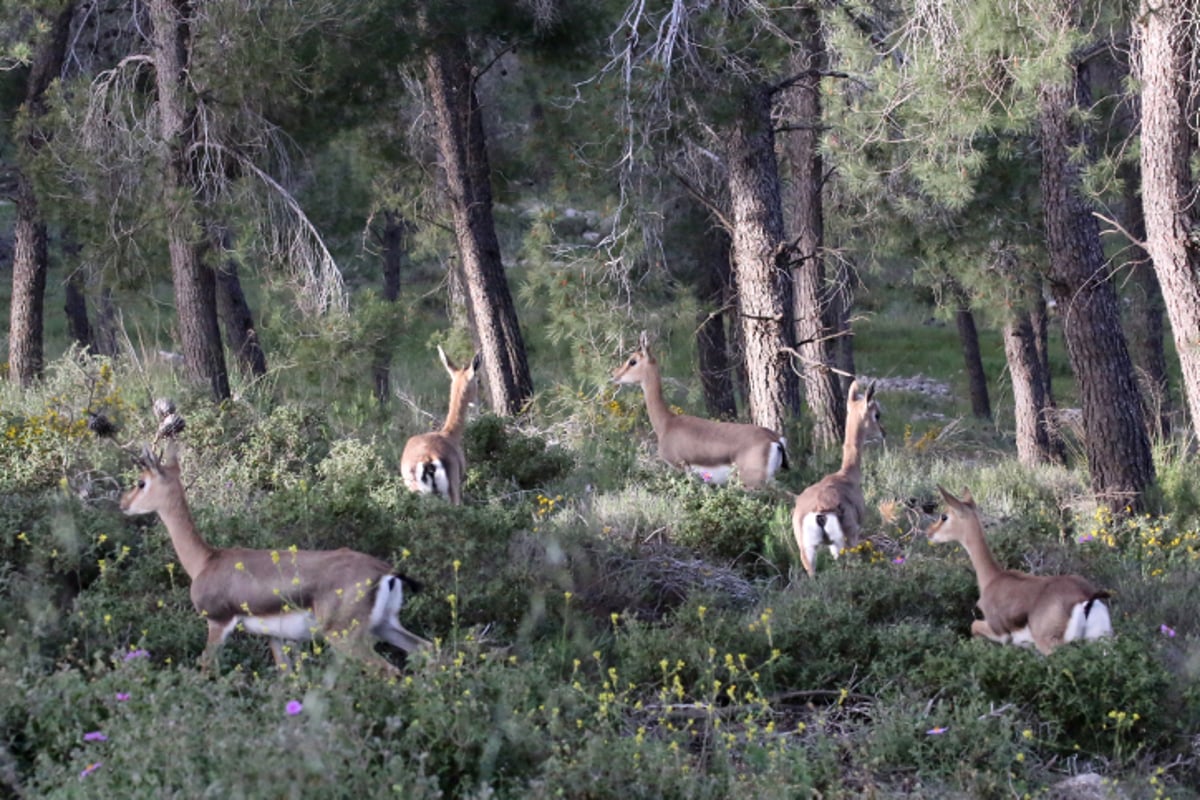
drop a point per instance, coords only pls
(711, 449)
(350, 598)
(1019, 608)
(831, 511)
(435, 462)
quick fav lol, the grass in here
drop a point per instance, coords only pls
(605, 627)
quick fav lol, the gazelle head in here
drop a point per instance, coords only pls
(959, 516)
(637, 366)
(157, 483)
(467, 377)
(862, 411)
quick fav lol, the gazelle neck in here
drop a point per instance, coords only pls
(456, 417)
(852, 446)
(984, 563)
(192, 550)
(656, 406)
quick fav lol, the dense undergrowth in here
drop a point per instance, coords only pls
(605, 628)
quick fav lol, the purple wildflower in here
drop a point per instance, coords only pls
(1085, 538)
(898, 560)
(294, 707)
(1167, 631)
(95, 736)
(936, 731)
(136, 654)
(122, 697)
(90, 768)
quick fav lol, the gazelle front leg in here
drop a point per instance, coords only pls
(980, 627)
(217, 632)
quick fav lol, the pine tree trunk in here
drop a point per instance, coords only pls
(839, 323)
(1118, 449)
(194, 282)
(78, 326)
(463, 152)
(1168, 43)
(968, 337)
(712, 345)
(31, 256)
(392, 240)
(234, 310)
(1037, 442)
(822, 388)
(763, 285)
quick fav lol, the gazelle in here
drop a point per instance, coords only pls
(713, 450)
(349, 598)
(435, 463)
(831, 511)
(1019, 608)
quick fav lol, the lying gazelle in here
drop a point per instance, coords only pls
(713, 450)
(435, 463)
(350, 598)
(1019, 608)
(831, 511)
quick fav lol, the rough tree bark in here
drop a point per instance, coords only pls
(1037, 441)
(392, 244)
(234, 310)
(194, 281)
(811, 293)
(1118, 449)
(463, 154)
(1167, 47)
(763, 285)
(968, 338)
(31, 257)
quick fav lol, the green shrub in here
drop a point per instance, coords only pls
(501, 458)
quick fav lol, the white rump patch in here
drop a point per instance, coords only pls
(821, 529)
(389, 597)
(775, 458)
(297, 625)
(436, 483)
(719, 474)
(1021, 637)
(1087, 623)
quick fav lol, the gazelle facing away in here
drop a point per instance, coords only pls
(831, 511)
(1019, 608)
(349, 598)
(713, 450)
(435, 463)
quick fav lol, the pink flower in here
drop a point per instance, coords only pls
(1167, 631)
(936, 731)
(122, 697)
(95, 736)
(1087, 537)
(898, 560)
(90, 768)
(294, 707)
(136, 654)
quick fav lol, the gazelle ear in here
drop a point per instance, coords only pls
(170, 459)
(147, 460)
(446, 362)
(644, 342)
(476, 363)
(950, 499)
(870, 391)
(967, 499)
(854, 390)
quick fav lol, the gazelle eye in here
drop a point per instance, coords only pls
(141, 484)
(944, 518)
(632, 361)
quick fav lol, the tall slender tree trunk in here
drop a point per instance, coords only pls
(840, 300)
(463, 152)
(31, 253)
(194, 281)
(234, 310)
(392, 242)
(1037, 441)
(1167, 48)
(763, 284)
(968, 338)
(712, 344)
(78, 326)
(1118, 449)
(810, 292)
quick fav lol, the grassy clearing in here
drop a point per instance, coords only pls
(606, 628)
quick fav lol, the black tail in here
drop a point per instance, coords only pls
(428, 475)
(413, 584)
(784, 463)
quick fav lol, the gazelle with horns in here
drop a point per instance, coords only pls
(831, 511)
(1019, 608)
(348, 597)
(714, 450)
(435, 463)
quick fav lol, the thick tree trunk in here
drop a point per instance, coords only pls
(763, 285)
(1168, 44)
(840, 300)
(1118, 449)
(31, 255)
(811, 294)
(712, 344)
(194, 282)
(463, 152)
(392, 242)
(1037, 442)
(968, 337)
(78, 326)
